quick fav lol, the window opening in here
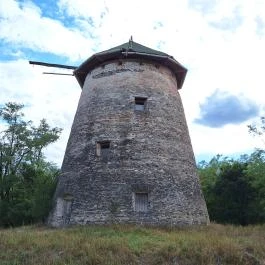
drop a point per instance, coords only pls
(141, 202)
(140, 103)
(103, 148)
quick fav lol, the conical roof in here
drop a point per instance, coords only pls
(136, 47)
(132, 50)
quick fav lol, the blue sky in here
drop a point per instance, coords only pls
(220, 42)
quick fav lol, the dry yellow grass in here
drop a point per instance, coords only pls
(118, 244)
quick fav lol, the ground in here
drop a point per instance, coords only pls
(117, 244)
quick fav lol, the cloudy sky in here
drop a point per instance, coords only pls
(222, 43)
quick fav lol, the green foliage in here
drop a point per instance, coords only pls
(27, 181)
(257, 128)
(234, 190)
(232, 195)
(209, 173)
(255, 174)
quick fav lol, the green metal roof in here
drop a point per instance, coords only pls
(134, 46)
(132, 50)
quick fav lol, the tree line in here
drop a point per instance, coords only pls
(234, 189)
(27, 180)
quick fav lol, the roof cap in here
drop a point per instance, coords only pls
(132, 50)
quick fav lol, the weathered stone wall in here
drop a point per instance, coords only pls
(150, 151)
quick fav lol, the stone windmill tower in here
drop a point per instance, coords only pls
(129, 157)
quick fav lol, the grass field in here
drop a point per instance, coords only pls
(119, 244)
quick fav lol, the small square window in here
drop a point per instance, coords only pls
(103, 148)
(140, 103)
(141, 201)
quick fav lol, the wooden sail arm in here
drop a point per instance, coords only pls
(51, 73)
(53, 65)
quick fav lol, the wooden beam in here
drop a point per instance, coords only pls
(53, 65)
(50, 73)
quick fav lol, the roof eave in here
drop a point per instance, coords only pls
(97, 59)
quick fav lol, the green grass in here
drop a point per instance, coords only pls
(120, 244)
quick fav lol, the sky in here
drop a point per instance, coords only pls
(221, 43)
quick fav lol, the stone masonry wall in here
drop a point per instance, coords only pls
(149, 152)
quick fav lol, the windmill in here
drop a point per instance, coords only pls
(129, 157)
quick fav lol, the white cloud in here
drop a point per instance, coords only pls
(229, 140)
(230, 59)
(23, 26)
(92, 11)
(51, 97)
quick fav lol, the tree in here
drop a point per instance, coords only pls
(233, 195)
(22, 164)
(234, 190)
(255, 172)
(258, 128)
(209, 174)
